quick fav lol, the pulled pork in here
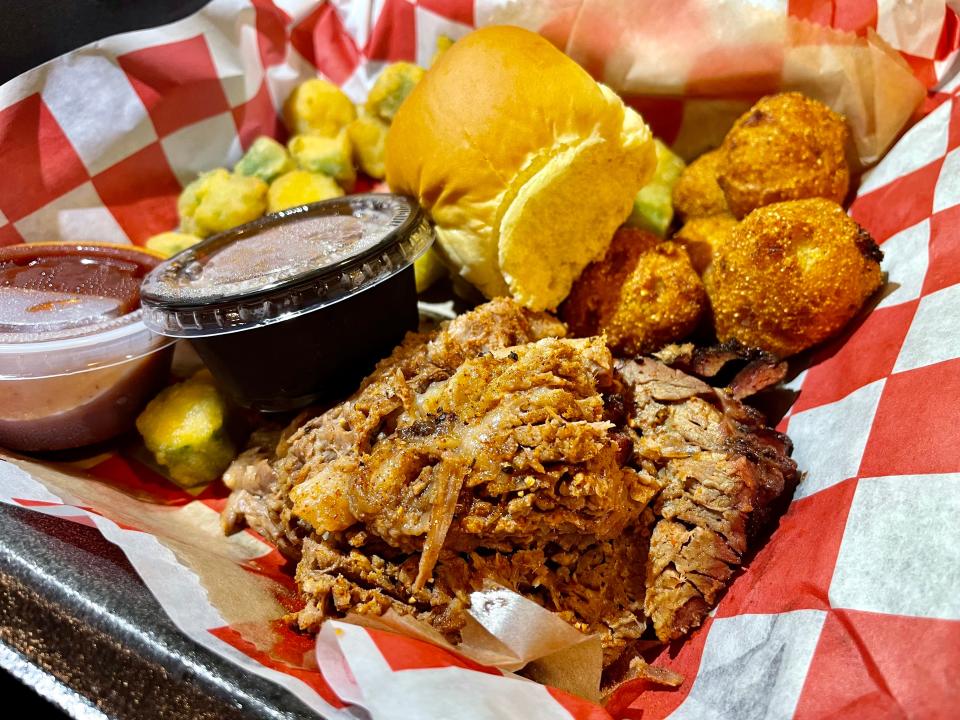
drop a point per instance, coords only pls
(619, 494)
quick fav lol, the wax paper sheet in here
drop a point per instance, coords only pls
(851, 607)
(721, 50)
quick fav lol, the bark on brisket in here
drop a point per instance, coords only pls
(746, 371)
(721, 471)
(595, 586)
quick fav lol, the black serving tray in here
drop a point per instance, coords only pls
(79, 626)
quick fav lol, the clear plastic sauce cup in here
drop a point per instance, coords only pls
(295, 308)
(77, 364)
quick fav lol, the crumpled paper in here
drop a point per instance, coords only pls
(732, 49)
(509, 632)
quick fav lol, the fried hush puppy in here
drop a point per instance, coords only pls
(697, 193)
(786, 147)
(703, 237)
(791, 275)
(642, 295)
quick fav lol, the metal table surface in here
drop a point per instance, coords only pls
(79, 627)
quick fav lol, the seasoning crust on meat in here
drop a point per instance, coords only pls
(619, 494)
(721, 470)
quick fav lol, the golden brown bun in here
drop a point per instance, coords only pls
(526, 165)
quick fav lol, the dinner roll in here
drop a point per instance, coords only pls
(526, 165)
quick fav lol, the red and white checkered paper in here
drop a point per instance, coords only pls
(851, 609)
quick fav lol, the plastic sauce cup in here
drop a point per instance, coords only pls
(77, 364)
(295, 308)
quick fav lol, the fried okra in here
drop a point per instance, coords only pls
(697, 193)
(169, 244)
(391, 88)
(786, 147)
(327, 155)
(703, 236)
(185, 429)
(266, 159)
(791, 275)
(427, 269)
(444, 43)
(299, 187)
(318, 107)
(653, 207)
(368, 135)
(642, 295)
(219, 200)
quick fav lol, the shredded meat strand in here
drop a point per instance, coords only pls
(619, 494)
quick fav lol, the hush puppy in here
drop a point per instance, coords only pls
(703, 237)
(791, 275)
(697, 193)
(786, 147)
(642, 295)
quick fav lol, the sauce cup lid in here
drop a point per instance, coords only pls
(283, 265)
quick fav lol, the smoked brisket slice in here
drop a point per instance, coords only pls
(721, 471)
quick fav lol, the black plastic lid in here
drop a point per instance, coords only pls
(284, 265)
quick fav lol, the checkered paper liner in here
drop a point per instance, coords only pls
(853, 606)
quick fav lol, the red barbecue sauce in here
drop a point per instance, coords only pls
(89, 270)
